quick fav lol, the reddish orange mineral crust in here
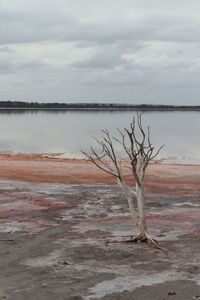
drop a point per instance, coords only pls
(165, 179)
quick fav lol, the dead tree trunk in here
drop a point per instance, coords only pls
(141, 210)
(139, 150)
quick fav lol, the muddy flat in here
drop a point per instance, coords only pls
(57, 216)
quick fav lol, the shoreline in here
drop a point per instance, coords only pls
(10, 155)
(160, 178)
(109, 109)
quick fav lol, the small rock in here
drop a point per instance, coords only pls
(171, 293)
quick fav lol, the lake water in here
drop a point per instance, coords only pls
(70, 132)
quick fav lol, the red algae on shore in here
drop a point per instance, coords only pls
(160, 178)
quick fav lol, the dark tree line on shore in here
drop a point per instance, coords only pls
(92, 106)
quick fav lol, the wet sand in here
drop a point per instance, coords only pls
(56, 215)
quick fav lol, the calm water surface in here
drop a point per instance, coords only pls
(71, 132)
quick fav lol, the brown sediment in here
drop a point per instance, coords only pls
(160, 178)
(41, 168)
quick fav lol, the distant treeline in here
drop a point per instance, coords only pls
(93, 106)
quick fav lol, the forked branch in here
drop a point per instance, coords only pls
(136, 144)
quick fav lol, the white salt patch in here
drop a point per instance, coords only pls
(130, 283)
(169, 236)
(188, 204)
(8, 228)
(116, 207)
(118, 214)
(180, 159)
(125, 233)
(44, 261)
(197, 280)
(98, 268)
(66, 155)
(66, 217)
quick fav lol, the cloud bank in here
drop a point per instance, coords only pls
(106, 51)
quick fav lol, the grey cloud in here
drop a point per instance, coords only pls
(106, 58)
(7, 66)
(7, 50)
(139, 47)
(45, 25)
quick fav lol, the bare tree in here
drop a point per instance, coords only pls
(136, 143)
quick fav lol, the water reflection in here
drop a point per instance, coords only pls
(48, 131)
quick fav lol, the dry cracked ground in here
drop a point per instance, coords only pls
(53, 234)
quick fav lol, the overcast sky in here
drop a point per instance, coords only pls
(128, 51)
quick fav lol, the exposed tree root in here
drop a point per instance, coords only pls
(139, 239)
(155, 245)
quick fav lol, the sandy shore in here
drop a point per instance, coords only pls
(56, 215)
(160, 178)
